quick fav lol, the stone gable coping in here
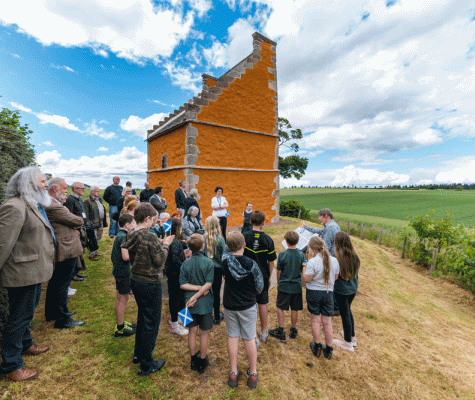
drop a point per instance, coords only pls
(261, 37)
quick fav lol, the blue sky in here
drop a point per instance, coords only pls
(383, 90)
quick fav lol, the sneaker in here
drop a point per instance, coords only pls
(343, 344)
(278, 335)
(179, 330)
(130, 325)
(126, 331)
(154, 367)
(293, 333)
(179, 321)
(71, 291)
(251, 379)
(264, 336)
(218, 320)
(233, 378)
(327, 352)
(353, 339)
(316, 348)
(195, 361)
(203, 364)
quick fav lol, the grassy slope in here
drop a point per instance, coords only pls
(414, 341)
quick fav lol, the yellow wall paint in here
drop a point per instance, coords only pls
(173, 144)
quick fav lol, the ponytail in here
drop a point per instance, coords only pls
(318, 247)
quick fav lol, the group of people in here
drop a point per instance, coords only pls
(41, 225)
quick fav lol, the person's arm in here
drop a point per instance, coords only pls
(11, 223)
(62, 215)
(214, 204)
(271, 268)
(306, 278)
(202, 290)
(125, 254)
(279, 272)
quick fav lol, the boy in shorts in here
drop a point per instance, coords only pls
(260, 248)
(121, 272)
(289, 275)
(243, 281)
(196, 279)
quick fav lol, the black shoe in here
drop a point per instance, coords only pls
(68, 324)
(77, 278)
(70, 313)
(154, 367)
(327, 352)
(81, 275)
(293, 333)
(195, 361)
(135, 360)
(317, 348)
(50, 318)
(278, 335)
(203, 364)
(218, 320)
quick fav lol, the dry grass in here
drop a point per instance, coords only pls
(414, 342)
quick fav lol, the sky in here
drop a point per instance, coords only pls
(383, 90)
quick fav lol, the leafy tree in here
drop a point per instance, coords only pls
(293, 165)
(291, 208)
(15, 149)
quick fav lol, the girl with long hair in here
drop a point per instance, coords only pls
(320, 274)
(214, 249)
(346, 287)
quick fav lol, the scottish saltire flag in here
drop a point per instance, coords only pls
(167, 226)
(185, 316)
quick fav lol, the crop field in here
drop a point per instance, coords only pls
(388, 204)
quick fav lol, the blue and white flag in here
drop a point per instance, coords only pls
(167, 226)
(185, 316)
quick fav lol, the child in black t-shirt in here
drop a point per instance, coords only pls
(246, 225)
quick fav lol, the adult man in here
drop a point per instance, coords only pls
(65, 226)
(75, 205)
(329, 230)
(146, 194)
(112, 195)
(96, 214)
(180, 197)
(26, 261)
(129, 185)
(158, 201)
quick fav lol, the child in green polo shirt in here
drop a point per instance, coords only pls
(196, 279)
(289, 290)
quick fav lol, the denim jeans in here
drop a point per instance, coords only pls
(113, 225)
(56, 303)
(16, 334)
(149, 303)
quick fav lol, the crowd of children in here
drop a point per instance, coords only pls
(195, 269)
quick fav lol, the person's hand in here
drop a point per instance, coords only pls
(190, 303)
(302, 224)
(168, 239)
(205, 292)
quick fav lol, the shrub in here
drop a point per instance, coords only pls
(290, 208)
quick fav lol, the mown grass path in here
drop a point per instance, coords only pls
(414, 341)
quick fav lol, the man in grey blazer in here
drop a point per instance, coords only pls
(158, 201)
(27, 245)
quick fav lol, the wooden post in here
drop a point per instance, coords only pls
(361, 235)
(434, 260)
(380, 235)
(348, 227)
(403, 246)
(299, 213)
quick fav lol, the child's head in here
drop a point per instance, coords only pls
(144, 211)
(164, 217)
(249, 206)
(346, 256)
(291, 237)
(235, 241)
(131, 206)
(257, 218)
(195, 242)
(176, 227)
(212, 226)
(126, 222)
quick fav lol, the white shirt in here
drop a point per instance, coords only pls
(315, 268)
(215, 202)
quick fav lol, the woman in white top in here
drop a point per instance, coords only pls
(219, 206)
(320, 274)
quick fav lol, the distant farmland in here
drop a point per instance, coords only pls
(388, 204)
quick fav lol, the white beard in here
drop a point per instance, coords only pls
(41, 196)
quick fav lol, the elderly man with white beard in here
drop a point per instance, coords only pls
(27, 246)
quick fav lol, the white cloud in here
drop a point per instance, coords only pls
(129, 164)
(48, 143)
(216, 56)
(139, 126)
(183, 77)
(20, 107)
(62, 122)
(459, 170)
(95, 130)
(65, 67)
(15, 55)
(102, 149)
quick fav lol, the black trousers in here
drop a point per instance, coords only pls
(175, 296)
(344, 304)
(223, 222)
(56, 303)
(218, 277)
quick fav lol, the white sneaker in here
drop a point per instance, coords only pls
(71, 291)
(343, 344)
(179, 330)
(353, 339)
(179, 321)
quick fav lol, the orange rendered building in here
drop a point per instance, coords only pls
(227, 136)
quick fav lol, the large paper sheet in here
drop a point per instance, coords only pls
(304, 238)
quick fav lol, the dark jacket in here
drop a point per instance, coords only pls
(180, 198)
(92, 212)
(159, 204)
(112, 194)
(191, 201)
(76, 206)
(145, 195)
(176, 257)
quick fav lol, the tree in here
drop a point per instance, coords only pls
(293, 165)
(16, 151)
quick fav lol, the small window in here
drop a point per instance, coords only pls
(164, 161)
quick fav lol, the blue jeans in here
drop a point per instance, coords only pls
(16, 334)
(56, 303)
(113, 225)
(149, 303)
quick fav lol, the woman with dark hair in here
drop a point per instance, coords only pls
(219, 206)
(176, 257)
(191, 223)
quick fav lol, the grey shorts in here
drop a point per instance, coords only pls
(241, 323)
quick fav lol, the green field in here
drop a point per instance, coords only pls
(388, 204)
